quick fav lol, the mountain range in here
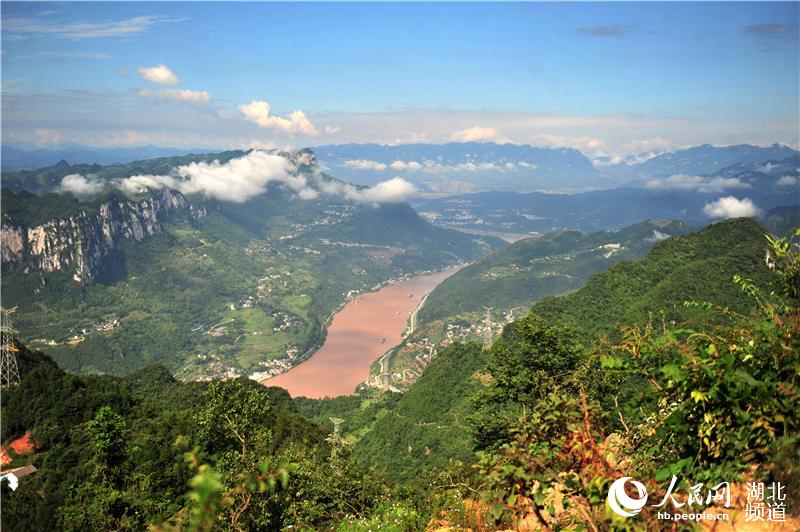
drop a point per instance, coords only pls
(114, 275)
(458, 167)
(756, 187)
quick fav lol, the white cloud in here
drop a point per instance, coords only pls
(590, 145)
(77, 184)
(731, 207)
(24, 27)
(657, 236)
(394, 190)
(159, 74)
(259, 112)
(308, 193)
(697, 183)
(140, 183)
(788, 181)
(364, 164)
(476, 134)
(50, 137)
(414, 137)
(239, 179)
(236, 180)
(332, 130)
(245, 177)
(411, 166)
(655, 144)
(176, 95)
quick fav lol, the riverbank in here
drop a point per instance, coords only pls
(359, 334)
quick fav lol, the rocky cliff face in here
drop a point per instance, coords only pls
(81, 242)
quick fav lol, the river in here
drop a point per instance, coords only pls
(359, 334)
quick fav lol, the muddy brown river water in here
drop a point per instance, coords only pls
(360, 333)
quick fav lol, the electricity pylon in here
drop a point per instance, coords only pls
(9, 373)
(487, 329)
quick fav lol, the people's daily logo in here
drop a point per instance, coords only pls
(621, 503)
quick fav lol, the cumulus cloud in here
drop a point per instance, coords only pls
(332, 130)
(259, 112)
(412, 166)
(176, 95)
(78, 184)
(160, 74)
(394, 190)
(697, 183)
(731, 207)
(140, 183)
(788, 181)
(239, 179)
(364, 164)
(475, 134)
(236, 180)
(248, 176)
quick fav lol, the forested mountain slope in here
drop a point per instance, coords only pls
(530, 269)
(111, 281)
(696, 267)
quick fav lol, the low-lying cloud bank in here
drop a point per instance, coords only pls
(245, 177)
(697, 183)
(435, 167)
(80, 185)
(731, 207)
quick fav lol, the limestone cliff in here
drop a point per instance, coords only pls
(81, 242)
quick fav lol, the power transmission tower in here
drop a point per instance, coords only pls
(487, 329)
(9, 374)
(336, 441)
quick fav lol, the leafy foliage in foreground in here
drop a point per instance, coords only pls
(716, 405)
(122, 454)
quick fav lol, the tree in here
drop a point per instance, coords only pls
(526, 364)
(235, 412)
(109, 434)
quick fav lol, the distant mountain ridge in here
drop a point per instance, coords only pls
(16, 158)
(455, 166)
(769, 184)
(701, 160)
(522, 167)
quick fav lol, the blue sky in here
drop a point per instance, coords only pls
(604, 77)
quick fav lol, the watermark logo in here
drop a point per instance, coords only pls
(621, 503)
(765, 502)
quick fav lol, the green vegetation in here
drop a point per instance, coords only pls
(532, 431)
(533, 268)
(702, 405)
(224, 294)
(513, 278)
(695, 267)
(425, 430)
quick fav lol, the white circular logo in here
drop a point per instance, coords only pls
(621, 503)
